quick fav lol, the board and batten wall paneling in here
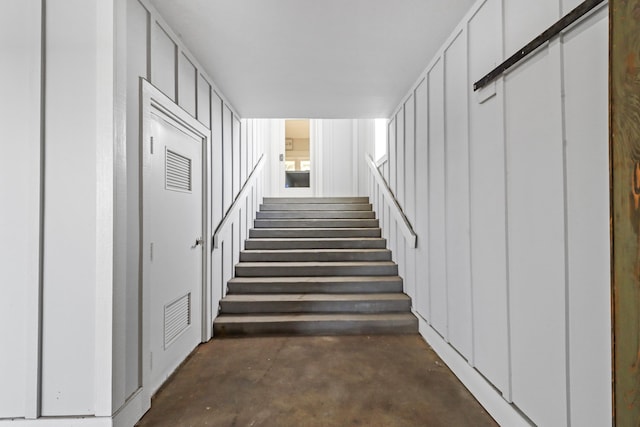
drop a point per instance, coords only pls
(250, 145)
(69, 270)
(457, 196)
(163, 61)
(410, 192)
(409, 164)
(20, 109)
(235, 141)
(336, 147)
(535, 198)
(391, 155)
(587, 201)
(437, 202)
(523, 23)
(516, 181)
(204, 101)
(187, 84)
(399, 158)
(421, 224)
(227, 159)
(137, 66)
(217, 161)
(488, 202)
(244, 150)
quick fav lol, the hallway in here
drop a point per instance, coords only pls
(315, 381)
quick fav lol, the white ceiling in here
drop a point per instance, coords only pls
(313, 58)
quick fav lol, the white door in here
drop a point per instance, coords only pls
(175, 233)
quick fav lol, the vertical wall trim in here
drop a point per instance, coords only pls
(34, 287)
(176, 68)
(565, 191)
(105, 137)
(465, 34)
(149, 44)
(501, 91)
(428, 213)
(355, 185)
(444, 160)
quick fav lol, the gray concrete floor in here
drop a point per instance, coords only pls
(315, 381)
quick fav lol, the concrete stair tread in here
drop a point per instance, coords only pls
(312, 317)
(316, 279)
(314, 232)
(316, 264)
(396, 296)
(316, 285)
(366, 214)
(316, 207)
(316, 223)
(315, 324)
(316, 239)
(292, 200)
(315, 251)
(315, 243)
(322, 229)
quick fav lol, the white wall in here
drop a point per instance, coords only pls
(79, 355)
(60, 140)
(339, 148)
(20, 112)
(175, 71)
(509, 198)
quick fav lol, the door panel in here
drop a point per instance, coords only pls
(175, 226)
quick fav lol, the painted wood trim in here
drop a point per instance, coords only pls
(394, 207)
(153, 99)
(105, 199)
(232, 213)
(33, 288)
(502, 411)
(624, 146)
(154, 16)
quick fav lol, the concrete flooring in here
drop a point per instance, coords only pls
(315, 381)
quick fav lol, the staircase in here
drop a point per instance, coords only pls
(315, 266)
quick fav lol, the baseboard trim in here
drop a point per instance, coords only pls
(502, 411)
(127, 416)
(58, 422)
(133, 409)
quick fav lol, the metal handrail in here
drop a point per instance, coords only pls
(401, 219)
(231, 211)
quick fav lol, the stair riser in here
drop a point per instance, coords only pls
(304, 271)
(314, 307)
(317, 328)
(315, 256)
(316, 215)
(298, 200)
(315, 207)
(258, 233)
(315, 288)
(315, 244)
(316, 223)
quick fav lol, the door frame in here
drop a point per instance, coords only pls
(153, 101)
(315, 175)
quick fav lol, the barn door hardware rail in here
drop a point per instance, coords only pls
(577, 13)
